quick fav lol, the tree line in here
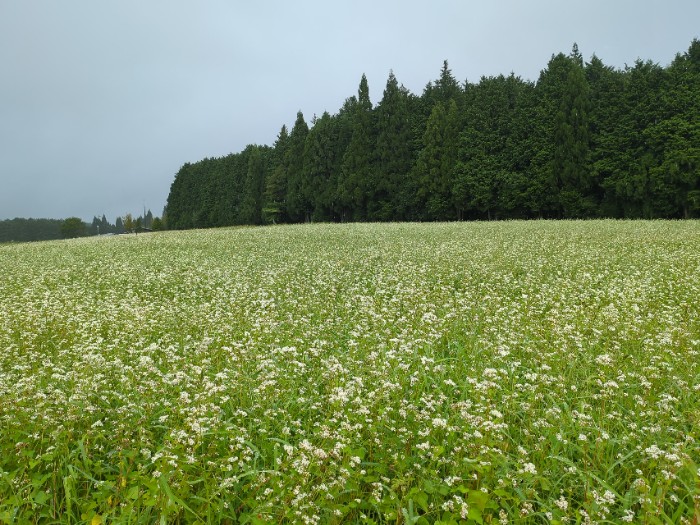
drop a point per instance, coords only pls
(584, 140)
(27, 230)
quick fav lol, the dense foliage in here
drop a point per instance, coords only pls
(24, 230)
(454, 373)
(584, 140)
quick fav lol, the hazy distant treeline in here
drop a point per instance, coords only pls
(23, 230)
(27, 230)
(584, 140)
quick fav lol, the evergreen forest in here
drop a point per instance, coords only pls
(584, 140)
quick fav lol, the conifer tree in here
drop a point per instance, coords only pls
(494, 152)
(442, 90)
(446, 88)
(561, 164)
(394, 154)
(571, 172)
(319, 165)
(607, 111)
(251, 204)
(295, 169)
(436, 163)
(275, 193)
(358, 161)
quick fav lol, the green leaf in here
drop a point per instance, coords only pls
(421, 498)
(41, 497)
(477, 499)
(360, 452)
(133, 493)
(69, 489)
(88, 507)
(447, 518)
(476, 515)
(173, 498)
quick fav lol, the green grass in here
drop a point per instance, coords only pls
(518, 372)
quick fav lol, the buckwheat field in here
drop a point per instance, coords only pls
(522, 372)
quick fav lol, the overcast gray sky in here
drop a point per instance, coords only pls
(101, 102)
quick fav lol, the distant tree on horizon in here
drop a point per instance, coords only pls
(129, 223)
(73, 227)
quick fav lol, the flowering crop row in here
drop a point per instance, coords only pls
(522, 372)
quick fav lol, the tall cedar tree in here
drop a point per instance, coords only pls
(606, 96)
(442, 90)
(297, 207)
(353, 193)
(436, 162)
(571, 173)
(319, 165)
(250, 211)
(275, 194)
(544, 173)
(490, 177)
(394, 154)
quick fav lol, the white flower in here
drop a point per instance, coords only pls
(654, 452)
(562, 503)
(439, 422)
(529, 468)
(603, 360)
